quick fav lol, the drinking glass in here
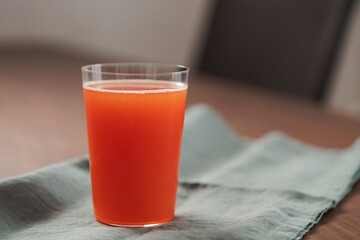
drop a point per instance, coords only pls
(134, 115)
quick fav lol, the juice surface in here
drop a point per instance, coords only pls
(134, 135)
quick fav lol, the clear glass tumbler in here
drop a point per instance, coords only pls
(134, 115)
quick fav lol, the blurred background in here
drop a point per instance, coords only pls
(266, 65)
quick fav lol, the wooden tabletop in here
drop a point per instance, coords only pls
(42, 121)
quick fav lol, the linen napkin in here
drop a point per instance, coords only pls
(229, 188)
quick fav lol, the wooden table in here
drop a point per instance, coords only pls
(42, 121)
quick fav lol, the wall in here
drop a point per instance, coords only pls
(156, 30)
(344, 94)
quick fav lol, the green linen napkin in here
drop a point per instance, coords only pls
(230, 188)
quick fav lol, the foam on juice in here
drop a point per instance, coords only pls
(135, 86)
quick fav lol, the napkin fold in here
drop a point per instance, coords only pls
(230, 188)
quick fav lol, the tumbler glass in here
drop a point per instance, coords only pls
(134, 115)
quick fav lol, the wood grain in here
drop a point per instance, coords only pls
(42, 121)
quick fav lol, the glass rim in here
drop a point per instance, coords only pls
(181, 68)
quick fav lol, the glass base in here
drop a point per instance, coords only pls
(154, 224)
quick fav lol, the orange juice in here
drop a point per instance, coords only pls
(134, 136)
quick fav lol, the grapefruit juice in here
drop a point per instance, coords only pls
(134, 136)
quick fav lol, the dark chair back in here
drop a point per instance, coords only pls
(285, 45)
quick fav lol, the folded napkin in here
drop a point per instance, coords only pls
(230, 188)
